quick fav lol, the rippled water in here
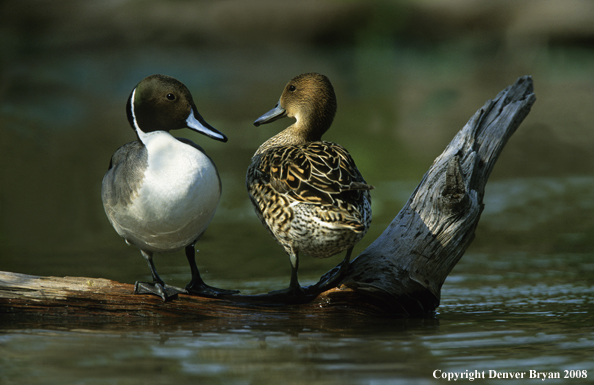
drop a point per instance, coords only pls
(501, 312)
(485, 323)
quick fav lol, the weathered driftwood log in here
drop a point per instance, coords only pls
(400, 273)
(79, 297)
(407, 265)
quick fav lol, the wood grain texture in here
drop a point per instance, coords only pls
(80, 297)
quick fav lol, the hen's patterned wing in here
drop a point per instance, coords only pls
(321, 175)
(318, 173)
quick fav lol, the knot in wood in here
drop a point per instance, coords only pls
(454, 194)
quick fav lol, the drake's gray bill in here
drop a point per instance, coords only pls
(197, 123)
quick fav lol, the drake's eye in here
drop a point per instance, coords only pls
(292, 88)
(170, 96)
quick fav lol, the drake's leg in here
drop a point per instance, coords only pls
(157, 287)
(197, 285)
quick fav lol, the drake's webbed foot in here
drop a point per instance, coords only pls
(204, 290)
(166, 292)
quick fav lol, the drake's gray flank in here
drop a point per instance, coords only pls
(125, 174)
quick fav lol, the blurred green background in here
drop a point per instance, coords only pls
(408, 75)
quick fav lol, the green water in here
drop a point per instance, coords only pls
(519, 300)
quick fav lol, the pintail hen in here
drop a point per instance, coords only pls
(307, 192)
(161, 192)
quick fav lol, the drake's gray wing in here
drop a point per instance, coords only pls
(125, 174)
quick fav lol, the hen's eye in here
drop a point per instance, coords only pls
(292, 88)
(170, 96)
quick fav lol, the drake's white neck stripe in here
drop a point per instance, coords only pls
(141, 134)
(132, 109)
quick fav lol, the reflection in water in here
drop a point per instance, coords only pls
(507, 312)
(549, 332)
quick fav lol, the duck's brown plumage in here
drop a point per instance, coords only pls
(308, 193)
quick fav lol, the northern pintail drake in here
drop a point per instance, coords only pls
(308, 193)
(161, 192)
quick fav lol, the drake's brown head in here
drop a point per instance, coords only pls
(310, 99)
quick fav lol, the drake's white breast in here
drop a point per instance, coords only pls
(177, 173)
(178, 196)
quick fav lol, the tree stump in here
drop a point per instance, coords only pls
(399, 274)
